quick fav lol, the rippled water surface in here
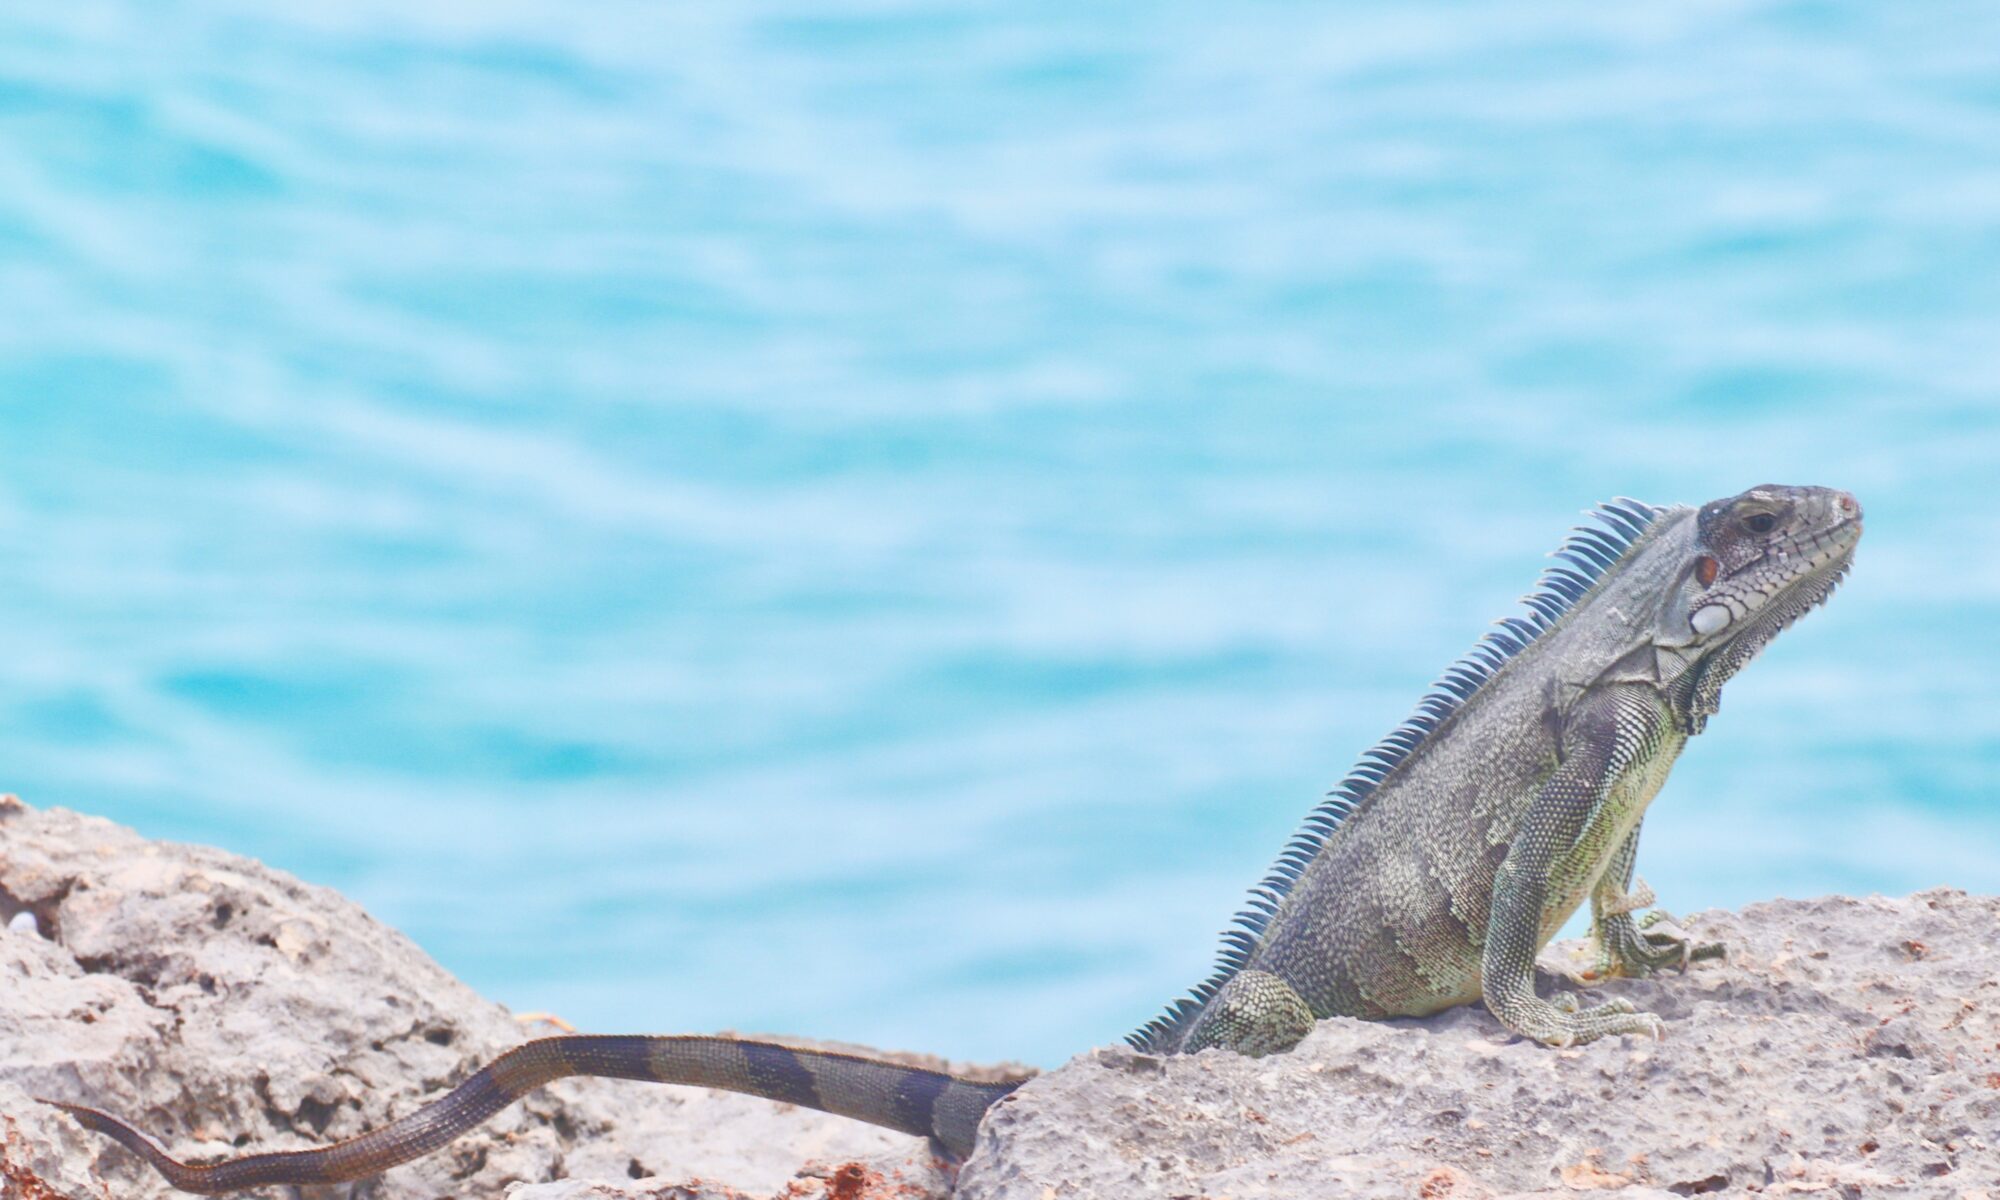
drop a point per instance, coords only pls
(876, 520)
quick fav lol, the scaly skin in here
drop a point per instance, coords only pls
(926, 1103)
(1460, 855)
(1435, 874)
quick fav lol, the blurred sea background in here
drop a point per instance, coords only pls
(876, 520)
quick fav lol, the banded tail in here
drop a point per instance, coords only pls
(909, 1099)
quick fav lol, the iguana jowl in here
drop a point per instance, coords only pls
(1429, 878)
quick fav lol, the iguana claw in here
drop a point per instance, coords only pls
(1636, 948)
(1563, 1021)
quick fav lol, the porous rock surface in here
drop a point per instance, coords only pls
(1847, 1048)
(223, 1006)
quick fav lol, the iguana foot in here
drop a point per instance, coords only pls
(1255, 1013)
(1563, 1021)
(1635, 949)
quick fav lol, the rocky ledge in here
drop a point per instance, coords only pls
(1846, 1048)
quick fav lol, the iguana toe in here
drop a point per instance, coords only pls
(1563, 1021)
(1655, 942)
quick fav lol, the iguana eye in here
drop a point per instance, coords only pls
(1760, 523)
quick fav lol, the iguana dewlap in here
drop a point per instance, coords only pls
(1430, 877)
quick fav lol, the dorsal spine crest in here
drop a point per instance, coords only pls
(1582, 561)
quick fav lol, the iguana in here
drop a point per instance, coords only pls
(1430, 877)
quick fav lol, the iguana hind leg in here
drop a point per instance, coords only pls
(1631, 948)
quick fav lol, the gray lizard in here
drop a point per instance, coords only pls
(1430, 877)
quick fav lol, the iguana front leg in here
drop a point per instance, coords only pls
(1610, 733)
(1628, 948)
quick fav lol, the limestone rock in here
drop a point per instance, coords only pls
(221, 1005)
(1846, 1048)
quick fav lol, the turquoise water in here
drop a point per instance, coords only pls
(877, 520)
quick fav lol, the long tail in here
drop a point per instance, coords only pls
(910, 1099)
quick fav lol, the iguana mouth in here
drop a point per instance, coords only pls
(1833, 541)
(1831, 547)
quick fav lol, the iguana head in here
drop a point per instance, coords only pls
(1759, 561)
